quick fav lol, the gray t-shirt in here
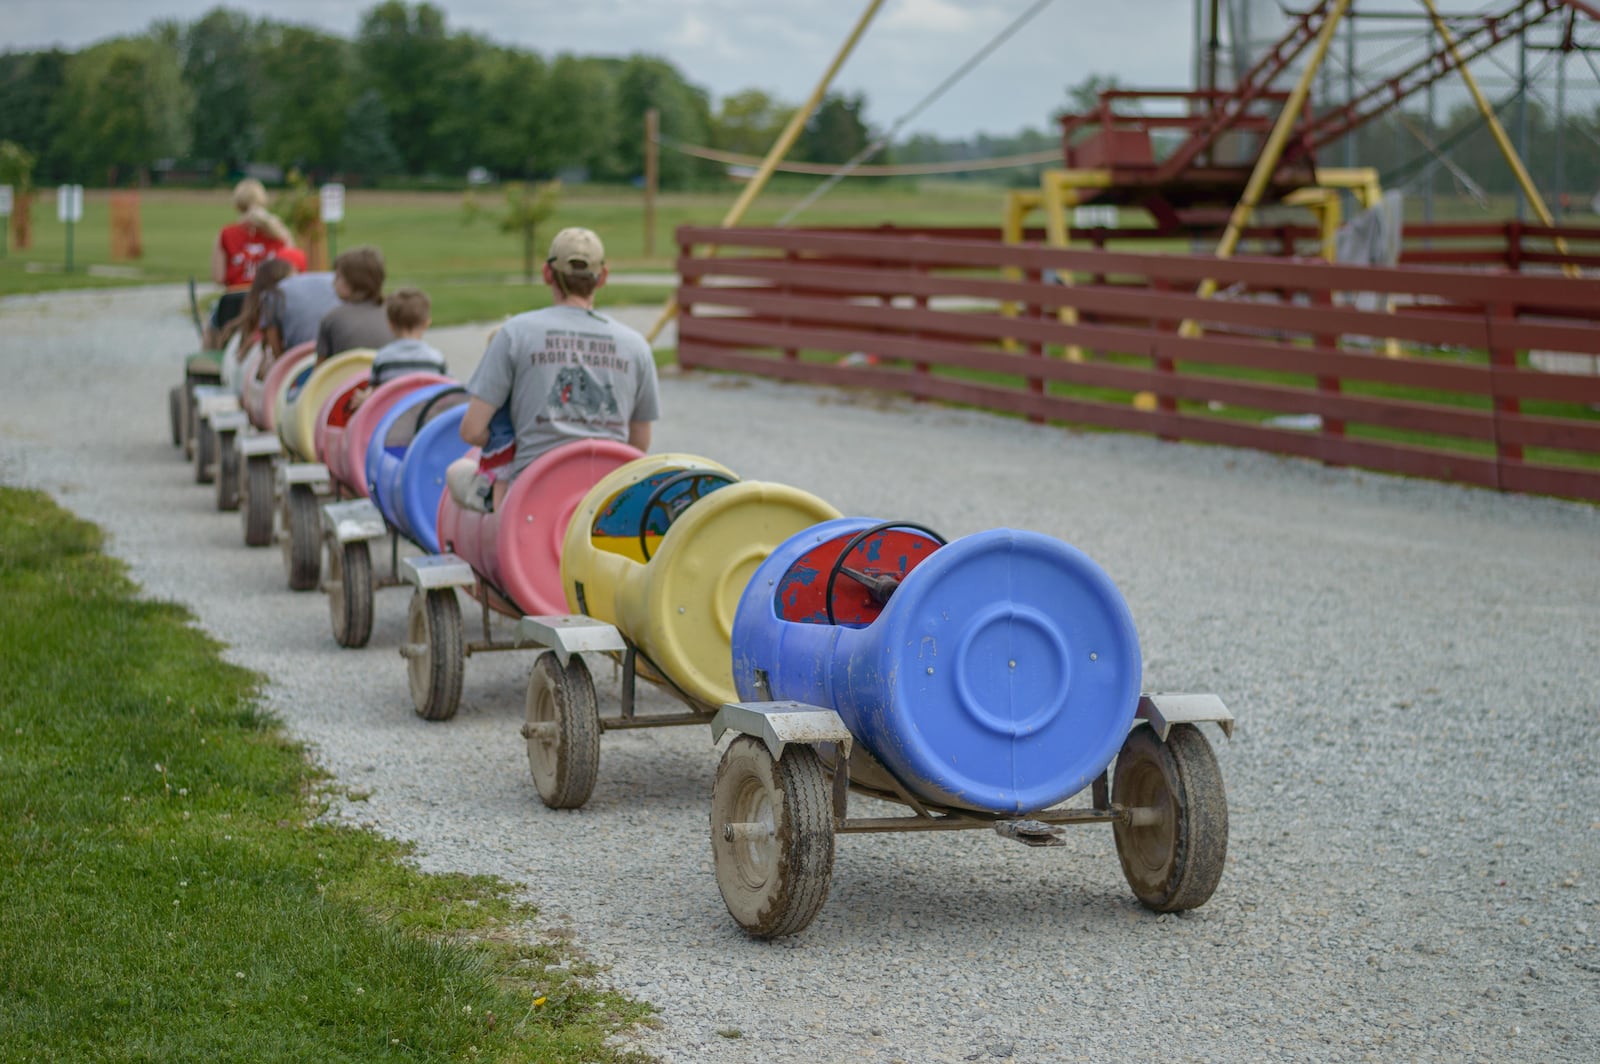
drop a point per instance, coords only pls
(568, 374)
(408, 355)
(298, 305)
(350, 326)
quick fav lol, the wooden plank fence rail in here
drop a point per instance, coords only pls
(1282, 361)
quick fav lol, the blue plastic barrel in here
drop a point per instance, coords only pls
(407, 457)
(1002, 675)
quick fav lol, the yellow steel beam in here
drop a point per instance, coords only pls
(1271, 153)
(1524, 180)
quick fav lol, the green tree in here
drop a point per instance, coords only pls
(123, 107)
(645, 82)
(29, 84)
(836, 131)
(222, 67)
(575, 132)
(402, 49)
(513, 110)
(472, 101)
(308, 98)
(526, 208)
(16, 167)
(366, 149)
(1084, 95)
(749, 122)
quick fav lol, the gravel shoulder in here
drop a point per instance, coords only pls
(1414, 785)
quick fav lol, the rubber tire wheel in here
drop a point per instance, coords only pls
(775, 886)
(255, 502)
(175, 414)
(205, 452)
(564, 766)
(350, 592)
(227, 473)
(188, 420)
(302, 541)
(434, 664)
(1174, 864)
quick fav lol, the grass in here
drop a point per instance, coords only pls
(171, 891)
(473, 272)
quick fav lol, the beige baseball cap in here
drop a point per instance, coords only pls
(577, 250)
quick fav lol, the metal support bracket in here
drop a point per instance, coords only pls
(779, 723)
(255, 445)
(212, 399)
(357, 519)
(569, 633)
(312, 474)
(437, 571)
(1163, 711)
(230, 421)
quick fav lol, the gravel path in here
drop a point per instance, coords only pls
(1414, 867)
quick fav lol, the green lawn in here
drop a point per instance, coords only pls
(473, 272)
(170, 893)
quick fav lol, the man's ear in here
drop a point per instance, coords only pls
(605, 271)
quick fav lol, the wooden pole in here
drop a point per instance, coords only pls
(781, 146)
(652, 130)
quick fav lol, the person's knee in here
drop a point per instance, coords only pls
(458, 478)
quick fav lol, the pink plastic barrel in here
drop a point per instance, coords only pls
(327, 433)
(348, 461)
(258, 397)
(517, 549)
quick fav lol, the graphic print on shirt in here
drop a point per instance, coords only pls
(577, 394)
(576, 389)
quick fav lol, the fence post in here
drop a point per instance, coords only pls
(920, 300)
(685, 252)
(1035, 313)
(1501, 356)
(1165, 365)
(1328, 385)
(1514, 246)
(790, 257)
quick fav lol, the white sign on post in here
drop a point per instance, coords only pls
(333, 203)
(5, 201)
(1094, 216)
(69, 203)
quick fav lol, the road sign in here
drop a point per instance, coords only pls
(5, 201)
(69, 203)
(333, 203)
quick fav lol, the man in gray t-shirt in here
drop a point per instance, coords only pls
(561, 373)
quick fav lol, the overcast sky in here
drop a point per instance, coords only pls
(780, 46)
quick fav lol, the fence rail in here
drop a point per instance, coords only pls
(1444, 385)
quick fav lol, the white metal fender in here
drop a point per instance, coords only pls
(569, 633)
(433, 571)
(778, 724)
(257, 444)
(1162, 711)
(352, 520)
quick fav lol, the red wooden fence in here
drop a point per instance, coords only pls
(1300, 372)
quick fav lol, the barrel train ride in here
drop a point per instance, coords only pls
(984, 682)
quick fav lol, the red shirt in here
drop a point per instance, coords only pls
(244, 247)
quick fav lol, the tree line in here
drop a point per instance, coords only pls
(407, 97)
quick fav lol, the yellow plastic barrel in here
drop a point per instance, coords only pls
(678, 606)
(297, 412)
